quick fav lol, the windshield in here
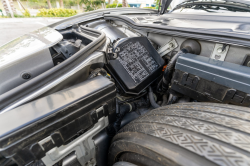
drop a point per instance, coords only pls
(220, 6)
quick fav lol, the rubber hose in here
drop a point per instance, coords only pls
(151, 98)
(170, 68)
(165, 100)
(123, 110)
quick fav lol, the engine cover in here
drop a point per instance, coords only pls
(134, 64)
(210, 80)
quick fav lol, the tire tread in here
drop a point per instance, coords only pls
(222, 133)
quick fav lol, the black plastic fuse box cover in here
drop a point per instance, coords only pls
(136, 64)
(207, 79)
(61, 115)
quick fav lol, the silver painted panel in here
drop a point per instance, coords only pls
(26, 54)
(26, 45)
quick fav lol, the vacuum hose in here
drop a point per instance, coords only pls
(151, 98)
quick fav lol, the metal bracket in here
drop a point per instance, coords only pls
(168, 47)
(220, 52)
(110, 50)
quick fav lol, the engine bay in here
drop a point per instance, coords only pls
(88, 80)
(136, 60)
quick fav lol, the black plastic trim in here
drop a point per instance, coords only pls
(65, 115)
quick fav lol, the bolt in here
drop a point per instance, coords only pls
(219, 50)
(171, 45)
(26, 76)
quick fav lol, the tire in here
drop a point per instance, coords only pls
(122, 163)
(188, 134)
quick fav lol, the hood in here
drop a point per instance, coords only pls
(231, 5)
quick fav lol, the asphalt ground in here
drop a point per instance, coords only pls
(11, 28)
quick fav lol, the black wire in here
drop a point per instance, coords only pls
(134, 98)
(159, 85)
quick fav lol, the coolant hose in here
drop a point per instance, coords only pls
(151, 98)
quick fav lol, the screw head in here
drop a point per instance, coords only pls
(219, 50)
(26, 76)
(171, 45)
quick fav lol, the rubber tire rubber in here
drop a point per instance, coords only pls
(123, 163)
(190, 134)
